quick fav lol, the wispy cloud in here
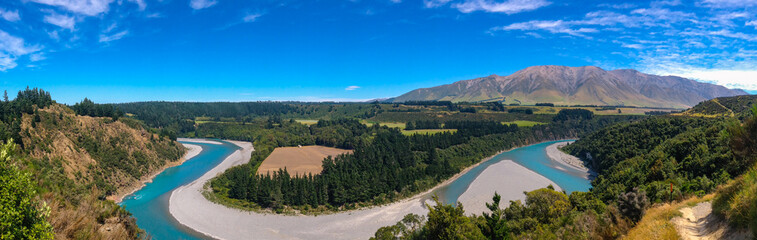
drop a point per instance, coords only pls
(729, 3)
(618, 6)
(251, 17)
(435, 3)
(140, 3)
(12, 48)
(751, 23)
(350, 88)
(200, 4)
(507, 7)
(85, 7)
(10, 16)
(557, 26)
(112, 37)
(61, 20)
(36, 57)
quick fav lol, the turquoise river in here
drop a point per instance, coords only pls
(149, 205)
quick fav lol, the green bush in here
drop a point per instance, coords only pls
(21, 215)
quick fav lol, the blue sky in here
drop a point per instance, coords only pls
(224, 50)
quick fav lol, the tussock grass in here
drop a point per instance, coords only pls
(656, 223)
(737, 201)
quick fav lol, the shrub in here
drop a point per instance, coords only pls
(633, 204)
(21, 215)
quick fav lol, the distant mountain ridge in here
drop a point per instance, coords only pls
(576, 86)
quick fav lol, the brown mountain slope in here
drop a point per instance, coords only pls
(78, 161)
(576, 86)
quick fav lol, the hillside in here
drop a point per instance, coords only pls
(84, 159)
(77, 162)
(114, 155)
(576, 86)
(738, 106)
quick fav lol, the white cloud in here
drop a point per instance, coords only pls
(751, 23)
(663, 16)
(10, 16)
(86, 7)
(608, 18)
(632, 45)
(140, 3)
(618, 6)
(507, 7)
(54, 35)
(395, 1)
(729, 3)
(251, 17)
(113, 37)
(435, 3)
(11, 48)
(737, 35)
(350, 88)
(558, 26)
(644, 17)
(60, 20)
(110, 27)
(200, 4)
(36, 57)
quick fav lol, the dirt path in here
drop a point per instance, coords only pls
(721, 105)
(698, 222)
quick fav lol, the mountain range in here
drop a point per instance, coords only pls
(587, 85)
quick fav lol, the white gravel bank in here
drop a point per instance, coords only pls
(554, 153)
(508, 179)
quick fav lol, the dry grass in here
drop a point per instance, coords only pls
(307, 121)
(427, 131)
(299, 160)
(656, 223)
(388, 124)
(91, 219)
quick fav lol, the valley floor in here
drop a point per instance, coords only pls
(188, 205)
